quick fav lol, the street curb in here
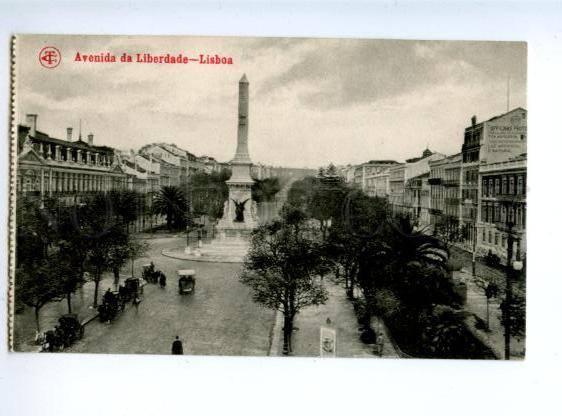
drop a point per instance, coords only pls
(154, 237)
(202, 259)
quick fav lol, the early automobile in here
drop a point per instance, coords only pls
(186, 281)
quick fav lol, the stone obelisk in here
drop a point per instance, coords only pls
(239, 216)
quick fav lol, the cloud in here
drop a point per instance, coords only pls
(312, 101)
(349, 72)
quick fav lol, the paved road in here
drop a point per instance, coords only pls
(220, 318)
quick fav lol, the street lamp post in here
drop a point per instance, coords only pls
(474, 236)
(513, 267)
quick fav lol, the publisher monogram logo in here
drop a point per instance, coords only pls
(49, 57)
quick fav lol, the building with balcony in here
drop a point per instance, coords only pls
(495, 140)
(396, 180)
(64, 169)
(503, 207)
(444, 181)
(417, 199)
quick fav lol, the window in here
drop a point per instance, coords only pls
(503, 189)
(496, 239)
(503, 241)
(484, 236)
(511, 185)
(520, 185)
(484, 214)
(497, 190)
(484, 187)
(489, 237)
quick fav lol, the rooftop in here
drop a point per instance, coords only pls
(23, 132)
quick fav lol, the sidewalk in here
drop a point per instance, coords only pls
(82, 299)
(476, 304)
(306, 339)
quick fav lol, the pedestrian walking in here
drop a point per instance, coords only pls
(177, 346)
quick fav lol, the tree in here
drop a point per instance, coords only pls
(39, 285)
(36, 231)
(321, 198)
(447, 229)
(122, 250)
(172, 203)
(98, 259)
(70, 270)
(517, 315)
(354, 234)
(208, 193)
(281, 268)
(126, 204)
(264, 190)
(491, 291)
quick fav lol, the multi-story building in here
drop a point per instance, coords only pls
(137, 177)
(417, 191)
(494, 140)
(152, 169)
(172, 170)
(381, 183)
(444, 180)
(417, 199)
(348, 173)
(364, 174)
(63, 169)
(209, 164)
(396, 181)
(502, 207)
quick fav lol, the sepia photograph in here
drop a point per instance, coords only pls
(273, 197)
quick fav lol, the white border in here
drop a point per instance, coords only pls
(152, 385)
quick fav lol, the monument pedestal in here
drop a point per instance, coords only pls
(240, 211)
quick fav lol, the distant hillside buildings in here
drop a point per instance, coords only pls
(71, 168)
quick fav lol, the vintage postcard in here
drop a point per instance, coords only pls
(268, 197)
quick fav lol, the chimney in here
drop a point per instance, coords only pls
(91, 139)
(69, 134)
(473, 119)
(31, 120)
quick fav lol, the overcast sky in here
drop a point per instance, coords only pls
(312, 101)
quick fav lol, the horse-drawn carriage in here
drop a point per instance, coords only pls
(68, 331)
(112, 304)
(115, 301)
(186, 281)
(151, 275)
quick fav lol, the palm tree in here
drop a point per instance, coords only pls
(172, 203)
(415, 265)
(415, 246)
